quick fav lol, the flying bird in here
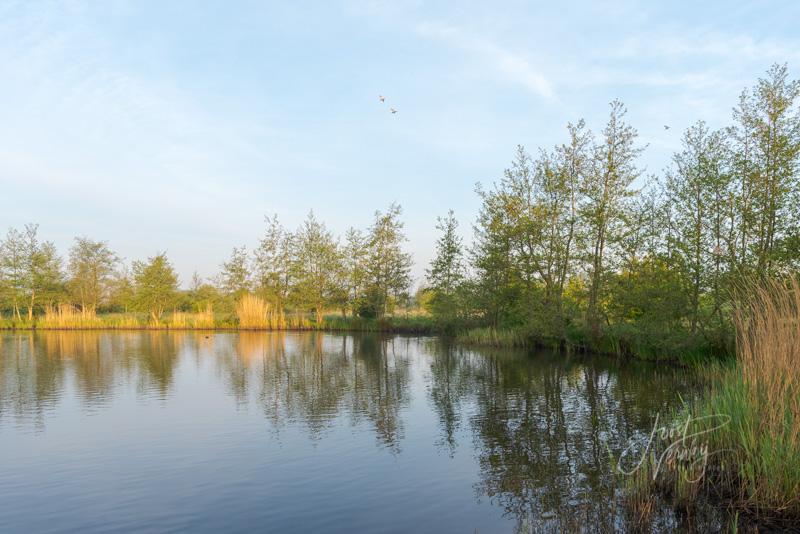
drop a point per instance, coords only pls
(666, 127)
(382, 98)
(393, 110)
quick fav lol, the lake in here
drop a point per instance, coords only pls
(310, 432)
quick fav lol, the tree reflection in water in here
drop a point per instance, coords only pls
(540, 426)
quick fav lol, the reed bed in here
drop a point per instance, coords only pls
(251, 313)
(762, 397)
(750, 417)
(68, 317)
(254, 313)
(200, 320)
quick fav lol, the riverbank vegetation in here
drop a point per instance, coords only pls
(574, 246)
(748, 423)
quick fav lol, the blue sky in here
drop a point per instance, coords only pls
(178, 126)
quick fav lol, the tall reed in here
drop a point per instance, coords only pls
(750, 418)
(66, 316)
(255, 313)
(763, 399)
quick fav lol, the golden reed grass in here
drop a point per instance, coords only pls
(255, 313)
(199, 320)
(66, 316)
(766, 430)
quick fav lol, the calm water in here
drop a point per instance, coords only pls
(157, 431)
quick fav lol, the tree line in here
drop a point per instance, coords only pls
(576, 243)
(573, 243)
(308, 270)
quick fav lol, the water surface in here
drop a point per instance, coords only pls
(307, 432)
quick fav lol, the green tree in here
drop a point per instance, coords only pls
(234, 278)
(273, 264)
(91, 268)
(202, 294)
(13, 270)
(353, 274)
(573, 166)
(316, 267)
(699, 191)
(155, 285)
(608, 186)
(121, 290)
(446, 271)
(31, 270)
(388, 267)
(766, 155)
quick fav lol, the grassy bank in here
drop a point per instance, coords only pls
(749, 421)
(253, 314)
(618, 341)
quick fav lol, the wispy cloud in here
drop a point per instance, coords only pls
(512, 66)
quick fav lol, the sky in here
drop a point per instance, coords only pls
(178, 126)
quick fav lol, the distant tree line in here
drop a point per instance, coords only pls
(573, 243)
(307, 270)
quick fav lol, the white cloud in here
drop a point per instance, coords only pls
(514, 67)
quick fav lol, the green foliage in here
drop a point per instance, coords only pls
(155, 286)
(30, 272)
(387, 267)
(446, 273)
(567, 250)
(234, 278)
(316, 267)
(91, 270)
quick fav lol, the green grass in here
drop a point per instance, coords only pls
(494, 337)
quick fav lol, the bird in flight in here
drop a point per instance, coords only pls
(666, 127)
(382, 98)
(393, 110)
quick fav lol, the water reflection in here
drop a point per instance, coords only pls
(537, 428)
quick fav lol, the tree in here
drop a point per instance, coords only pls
(46, 277)
(155, 285)
(353, 274)
(31, 270)
(13, 269)
(315, 266)
(766, 157)
(446, 271)
(388, 267)
(234, 278)
(614, 169)
(699, 190)
(91, 269)
(573, 166)
(121, 290)
(273, 264)
(202, 295)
